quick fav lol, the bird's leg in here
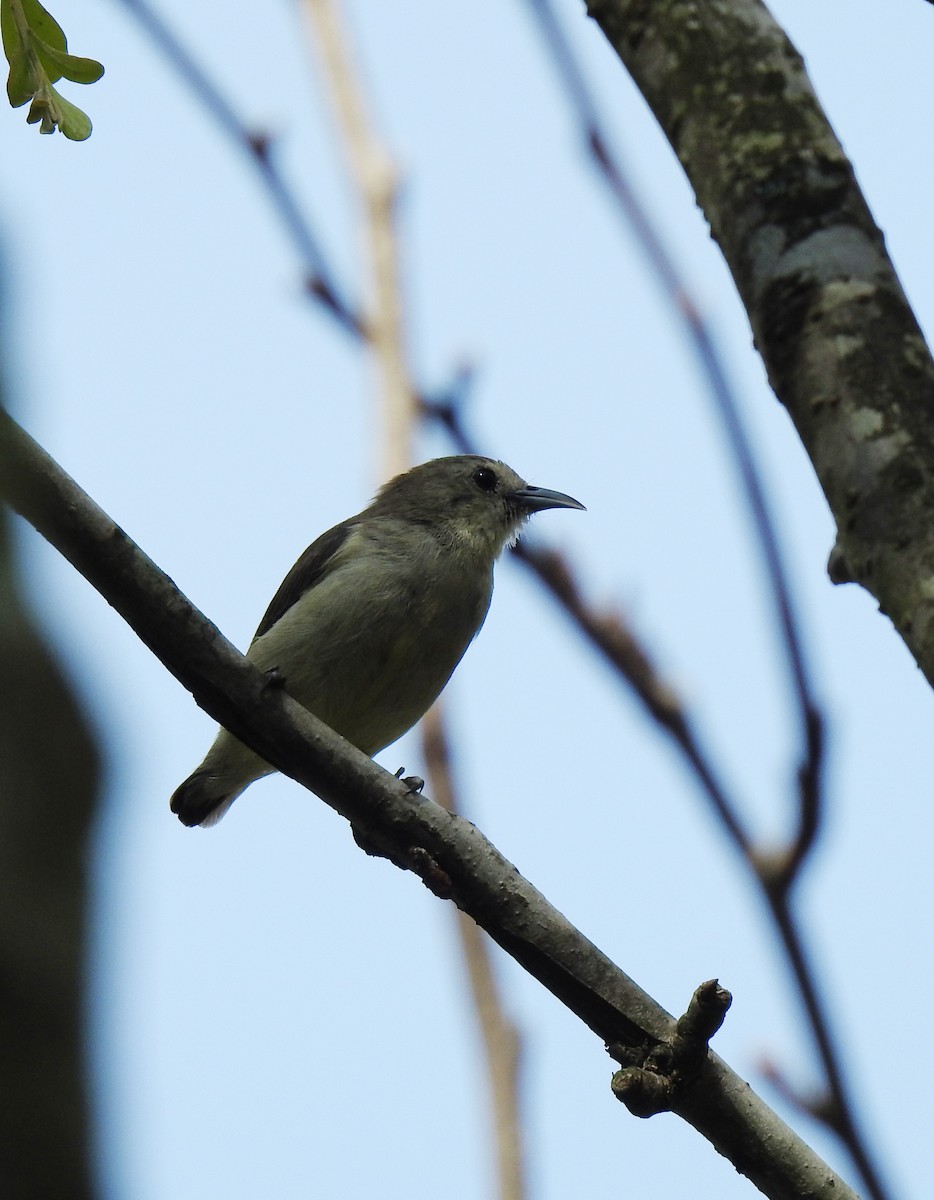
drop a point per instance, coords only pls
(274, 678)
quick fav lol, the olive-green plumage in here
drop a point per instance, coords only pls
(370, 623)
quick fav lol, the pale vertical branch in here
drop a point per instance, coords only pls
(377, 183)
(501, 1038)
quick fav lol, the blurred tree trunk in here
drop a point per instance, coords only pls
(49, 774)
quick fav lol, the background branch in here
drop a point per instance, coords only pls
(377, 184)
(320, 280)
(502, 1040)
(376, 181)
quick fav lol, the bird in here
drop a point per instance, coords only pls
(371, 621)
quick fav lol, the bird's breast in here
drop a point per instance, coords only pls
(370, 647)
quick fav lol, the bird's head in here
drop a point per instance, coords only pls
(475, 501)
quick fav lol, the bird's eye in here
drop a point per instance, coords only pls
(485, 479)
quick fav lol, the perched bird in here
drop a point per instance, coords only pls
(370, 623)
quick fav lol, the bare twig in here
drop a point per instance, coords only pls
(776, 873)
(375, 177)
(501, 1038)
(620, 646)
(320, 279)
(812, 1104)
(704, 345)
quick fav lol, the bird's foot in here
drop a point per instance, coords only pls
(274, 678)
(414, 783)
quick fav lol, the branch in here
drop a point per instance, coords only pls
(501, 1038)
(320, 280)
(713, 370)
(447, 852)
(619, 646)
(376, 181)
(777, 872)
(843, 350)
(377, 184)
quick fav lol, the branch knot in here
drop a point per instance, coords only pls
(652, 1086)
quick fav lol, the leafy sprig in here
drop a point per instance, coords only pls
(37, 50)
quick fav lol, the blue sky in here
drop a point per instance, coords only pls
(273, 1013)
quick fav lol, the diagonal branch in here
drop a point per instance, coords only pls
(843, 349)
(449, 853)
(320, 279)
(713, 370)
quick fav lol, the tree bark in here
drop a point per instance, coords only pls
(841, 345)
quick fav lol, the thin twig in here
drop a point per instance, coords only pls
(776, 873)
(375, 177)
(620, 646)
(613, 638)
(320, 279)
(710, 360)
(500, 1035)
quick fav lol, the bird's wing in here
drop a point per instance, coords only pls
(316, 562)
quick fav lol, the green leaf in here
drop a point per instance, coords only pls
(44, 25)
(11, 39)
(74, 124)
(50, 110)
(21, 82)
(58, 64)
(37, 51)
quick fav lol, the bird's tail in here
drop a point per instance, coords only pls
(228, 769)
(203, 798)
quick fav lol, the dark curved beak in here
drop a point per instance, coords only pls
(534, 499)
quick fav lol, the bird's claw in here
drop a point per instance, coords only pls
(414, 783)
(274, 678)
